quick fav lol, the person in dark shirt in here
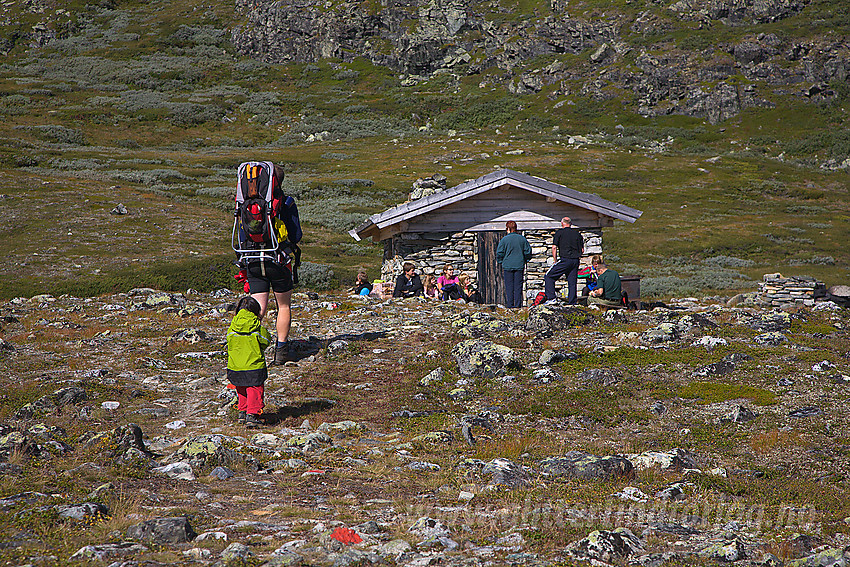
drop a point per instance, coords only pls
(569, 245)
(408, 283)
(361, 284)
(609, 288)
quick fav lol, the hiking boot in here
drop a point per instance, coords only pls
(283, 354)
(253, 420)
(240, 417)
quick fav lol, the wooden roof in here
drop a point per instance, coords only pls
(395, 220)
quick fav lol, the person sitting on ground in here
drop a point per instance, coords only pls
(361, 284)
(465, 285)
(470, 294)
(429, 284)
(407, 284)
(247, 340)
(609, 289)
(448, 284)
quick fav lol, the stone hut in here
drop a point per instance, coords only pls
(463, 225)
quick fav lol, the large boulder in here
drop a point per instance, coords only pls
(483, 358)
(71, 395)
(163, 531)
(604, 547)
(479, 324)
(553, 318)
(576, 464)
(840, 294)
(207, 451)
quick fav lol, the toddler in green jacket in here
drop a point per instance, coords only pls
(247, 340)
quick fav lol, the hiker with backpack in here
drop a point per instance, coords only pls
(268, 229)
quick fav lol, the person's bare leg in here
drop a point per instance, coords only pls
(284, 315)
(282, 352)
(263, 299)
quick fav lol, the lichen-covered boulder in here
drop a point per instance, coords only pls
(552, 318)
(482, 358)
(108, 551)
(606, 546)
(433, 438)
(124, 443)
(207, 451)
(834, 557)
(160, 299)
(71, 395)
(163, 531)
(83, 511)
(576, 464)
(772, 338)
(310, 442)
(479, 324)
(727, 552)
(674, 459)
(663, 333)
(507, 474)
(772, 321)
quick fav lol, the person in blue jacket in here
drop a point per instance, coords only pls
(512, 253)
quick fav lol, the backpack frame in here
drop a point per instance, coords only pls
(268, 248)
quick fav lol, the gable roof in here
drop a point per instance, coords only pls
(401, 213)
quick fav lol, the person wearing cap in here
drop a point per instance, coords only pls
(609, 287)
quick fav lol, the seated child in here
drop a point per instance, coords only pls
(247, 340)
(430, 285)
(361, 284)
(464, 284)
(448, 284)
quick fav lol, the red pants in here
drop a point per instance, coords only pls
(250, 399)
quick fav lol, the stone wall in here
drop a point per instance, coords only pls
(431, 251)
(792, 291)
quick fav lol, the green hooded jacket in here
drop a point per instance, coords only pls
(247, 339)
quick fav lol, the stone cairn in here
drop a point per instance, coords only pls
(428, 186)
(793, 291)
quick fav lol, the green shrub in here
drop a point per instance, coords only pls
(316, 276)
(728, 262)
(263, 106)
(189, 114)
(478, 114)
(56, 134)
(150, 176)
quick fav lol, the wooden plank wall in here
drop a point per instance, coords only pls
(490, 211)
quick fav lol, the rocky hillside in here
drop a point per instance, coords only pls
(698, 58)
(420, 433)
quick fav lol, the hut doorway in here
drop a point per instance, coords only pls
(491, 284)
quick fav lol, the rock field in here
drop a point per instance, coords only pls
(412, 432)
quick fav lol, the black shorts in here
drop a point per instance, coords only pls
(264, 275)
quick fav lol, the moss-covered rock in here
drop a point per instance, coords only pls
(552, 318)
(477, 357)
(576, 464)
(477, 325)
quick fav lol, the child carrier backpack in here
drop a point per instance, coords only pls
(266, 226)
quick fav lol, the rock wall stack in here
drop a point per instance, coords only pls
(792, 291)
